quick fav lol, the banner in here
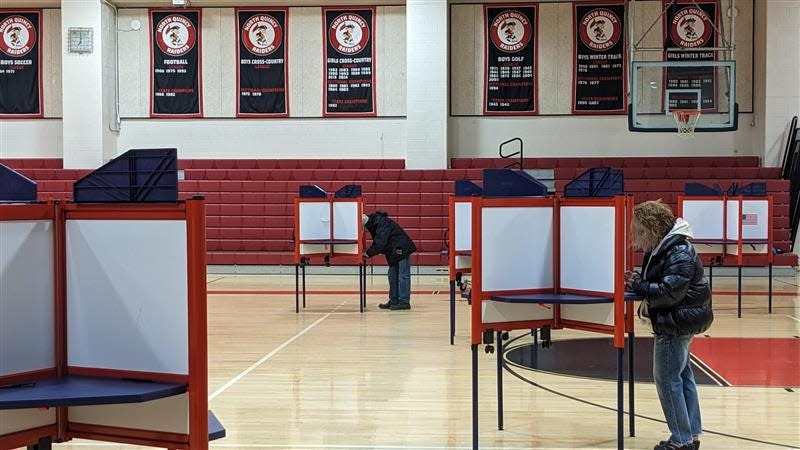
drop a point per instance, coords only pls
(599, 82)
(510, 65)
(20, 64)
(261, 71)
(176, 87)
(349, 62)
(690, 24)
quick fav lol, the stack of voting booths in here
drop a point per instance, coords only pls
(548, 263)
(329, 229)
(103, 312)
(459, 242)
(731, 227)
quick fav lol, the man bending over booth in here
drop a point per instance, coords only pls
(393, 242)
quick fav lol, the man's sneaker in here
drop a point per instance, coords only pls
(387, 305)
(399, 306)
(667, 445)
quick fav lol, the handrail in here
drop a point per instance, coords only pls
(789, 150)
(520, 153)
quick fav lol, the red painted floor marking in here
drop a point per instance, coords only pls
(752, 362)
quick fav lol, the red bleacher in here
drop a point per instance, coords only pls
(249, 201)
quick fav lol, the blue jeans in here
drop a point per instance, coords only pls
(400, 282)
(676, 387)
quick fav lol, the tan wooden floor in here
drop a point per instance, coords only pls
(330, 378)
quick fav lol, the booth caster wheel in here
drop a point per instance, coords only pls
(489, 349)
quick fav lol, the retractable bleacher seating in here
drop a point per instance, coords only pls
(250, 200)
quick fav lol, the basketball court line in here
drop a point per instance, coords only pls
(269, 355)
(706, 369)
(434, 292)
(793, 317)
(354, 446)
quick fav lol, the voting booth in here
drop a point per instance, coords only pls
(549, 263)
(735, 229)
(103, 331)
(329, 230)
(459, 240)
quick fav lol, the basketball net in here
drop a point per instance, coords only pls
(686, 120)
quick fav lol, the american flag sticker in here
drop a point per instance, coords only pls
(749, 219)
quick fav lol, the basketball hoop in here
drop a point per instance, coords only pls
(686, 119)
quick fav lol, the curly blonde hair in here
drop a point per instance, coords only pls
(652, 221)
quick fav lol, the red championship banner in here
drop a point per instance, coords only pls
(175, 68)
(691, 25)
(349, 62)
(510, 72)
(599, 82)
(262, 62)
(21, 64)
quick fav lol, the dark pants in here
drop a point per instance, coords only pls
(400, 282)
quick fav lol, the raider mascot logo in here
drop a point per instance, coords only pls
(600, 29)
(349, 34)
(176, 35)
(18, 36)
(262, 34)
(691, 28)
(511, 31)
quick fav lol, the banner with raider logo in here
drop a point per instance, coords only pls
(261, 89)
(175, 83)
(599, 81)
(510, 65)
(20, 64)
(349, 62)
(690, 24)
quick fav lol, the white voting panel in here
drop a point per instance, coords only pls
(127, 295)
(463, 262)
(755, 219)
(463, 226)
(314, 221)
(168, 415)
(346, 221)
(587, 248)
(498, 312)
(16, 420)
(517, 248)
(27, 297)
(600, 313)
(706, 218)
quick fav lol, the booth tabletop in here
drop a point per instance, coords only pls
(84, 391)
(563, 299)
(215, 428)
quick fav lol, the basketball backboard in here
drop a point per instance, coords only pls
(659, 87)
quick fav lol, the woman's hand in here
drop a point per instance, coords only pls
(631, 278)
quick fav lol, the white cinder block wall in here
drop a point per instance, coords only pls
(305, 134)
(771, 90)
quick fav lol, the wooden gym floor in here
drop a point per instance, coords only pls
(330, 378)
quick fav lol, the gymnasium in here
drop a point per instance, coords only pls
(399, 224)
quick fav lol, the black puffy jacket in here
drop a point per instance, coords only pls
(677, 295)
(388, 238)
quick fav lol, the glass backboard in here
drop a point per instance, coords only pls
(659, 87)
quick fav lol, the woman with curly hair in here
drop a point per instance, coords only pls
(677, 303)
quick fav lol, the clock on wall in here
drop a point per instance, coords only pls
(79, 40)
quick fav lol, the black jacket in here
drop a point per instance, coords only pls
(388, 238)
(677, 295)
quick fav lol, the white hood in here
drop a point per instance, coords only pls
(681, 227)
